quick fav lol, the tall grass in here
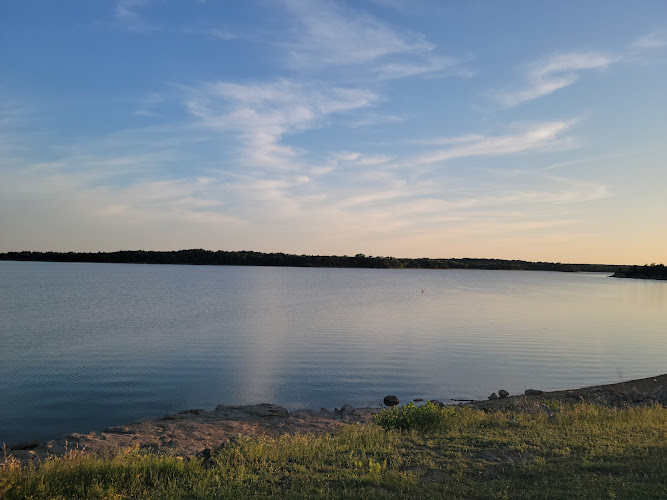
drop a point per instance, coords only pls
(579, 451)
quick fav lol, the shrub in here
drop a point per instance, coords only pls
(408, 417)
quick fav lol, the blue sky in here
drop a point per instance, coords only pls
(528, 130)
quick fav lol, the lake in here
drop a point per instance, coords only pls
(85, 346)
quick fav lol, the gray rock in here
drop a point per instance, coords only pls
(56, 448)
(26, 445)
(390, 400)
(347, 409)
(197, 411)
(251, 412)
(124, 429)
(503, 393)
(636, 396)
(304, 413)
(493, 396)
(417, 400)
(533, 392)
(437, 403)
(25, 454)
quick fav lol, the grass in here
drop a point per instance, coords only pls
(545, 451)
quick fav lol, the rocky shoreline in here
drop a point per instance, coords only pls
(196, 432)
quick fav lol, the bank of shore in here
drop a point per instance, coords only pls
(193, 432)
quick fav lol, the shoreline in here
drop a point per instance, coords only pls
(190, 433)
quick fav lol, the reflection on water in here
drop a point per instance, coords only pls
(90, 345)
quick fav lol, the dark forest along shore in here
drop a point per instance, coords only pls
(88, 346)
(249, 258)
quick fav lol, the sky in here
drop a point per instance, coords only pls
(444, 129)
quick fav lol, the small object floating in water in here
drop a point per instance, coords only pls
(422, 290)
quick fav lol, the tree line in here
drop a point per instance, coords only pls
(250, 258)
(647, 272)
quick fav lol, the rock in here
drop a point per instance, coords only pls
(390, 400)
(437, 403)
(25, 455)
(417, 400)
(493, 396)
(55, 448)
(303, 413)
(196, 411)
(26, 445)
(636, 396)
(533, 392)
(122, 429)
(503, 393)
(251, 412)
(347, 409)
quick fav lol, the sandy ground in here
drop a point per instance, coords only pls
(191, 432)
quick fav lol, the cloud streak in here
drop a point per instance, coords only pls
(554, 73)
(537, 137)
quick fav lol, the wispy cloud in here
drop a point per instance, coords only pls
(329, 34)
(426, 64)
(549, 75)
(263, 113)
(653, 40)
(128, 15)
(536, 137)
(370, 119)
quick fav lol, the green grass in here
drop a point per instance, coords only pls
(554, 451)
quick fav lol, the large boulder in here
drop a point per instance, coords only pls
(503, 393)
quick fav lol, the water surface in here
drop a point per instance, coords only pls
(84, 346)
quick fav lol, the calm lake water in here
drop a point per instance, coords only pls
(86, 346)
